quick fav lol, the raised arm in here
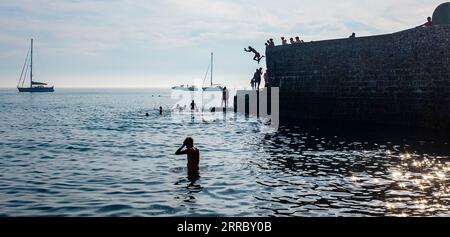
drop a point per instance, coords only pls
(180, 151)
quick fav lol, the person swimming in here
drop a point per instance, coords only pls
(193, 158)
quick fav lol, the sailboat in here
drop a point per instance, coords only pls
(34, 85)
(212, 87)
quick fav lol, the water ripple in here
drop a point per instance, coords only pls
(94, 153)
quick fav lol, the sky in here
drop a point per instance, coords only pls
(162, 43)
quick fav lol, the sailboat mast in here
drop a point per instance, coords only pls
(212, 58)
(31, 65)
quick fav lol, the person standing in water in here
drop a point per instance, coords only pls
(193, 158)
(193, 106)
(160, 110)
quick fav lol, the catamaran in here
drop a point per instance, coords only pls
(34, 85)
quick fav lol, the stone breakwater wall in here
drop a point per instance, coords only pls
(397, 79)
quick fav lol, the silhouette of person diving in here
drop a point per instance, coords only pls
(257, 57)
(193, 159)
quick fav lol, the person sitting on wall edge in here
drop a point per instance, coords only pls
(292, 40)
(429, 23)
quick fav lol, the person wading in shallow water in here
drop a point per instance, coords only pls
(193, 158)
(257, 57)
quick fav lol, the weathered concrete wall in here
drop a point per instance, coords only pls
(398, 79)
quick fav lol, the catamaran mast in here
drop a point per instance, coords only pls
(31, 65)
(212, 58)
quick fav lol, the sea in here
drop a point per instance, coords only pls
(94, 152)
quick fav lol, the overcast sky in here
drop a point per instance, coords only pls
(161, 43)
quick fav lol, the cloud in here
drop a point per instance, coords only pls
(174, 23)
(87, 29)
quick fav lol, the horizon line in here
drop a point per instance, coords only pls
(123, 88)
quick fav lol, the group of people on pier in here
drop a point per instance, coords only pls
(270, 43)
(256, 80)
(192, 152)
(257, 56)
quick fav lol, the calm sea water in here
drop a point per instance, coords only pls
(94, 153)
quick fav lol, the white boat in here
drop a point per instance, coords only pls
(185, 88)
(34, 85)
(212, 87)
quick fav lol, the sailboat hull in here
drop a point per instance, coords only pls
(36, 89)
(212, 89)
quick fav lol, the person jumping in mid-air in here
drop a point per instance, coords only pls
(193, 159)
(257, 57)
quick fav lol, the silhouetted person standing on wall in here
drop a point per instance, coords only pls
(292, 40)
(260, 77)
(225, 97)
(266, 80)
(255, 79)
(257, 57)
(353, 36)
(271, 43)
(193, 106)
(283, 41)
(193, 158)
